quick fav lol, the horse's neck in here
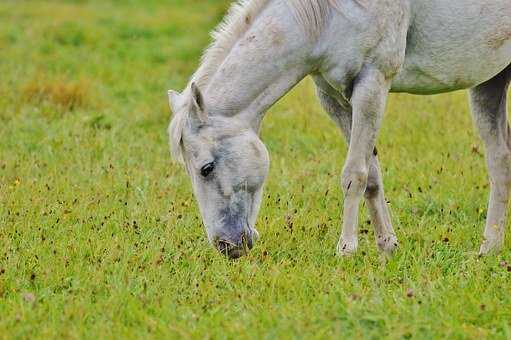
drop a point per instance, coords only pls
(264, 64)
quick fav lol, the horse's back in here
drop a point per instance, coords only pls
(454, 45)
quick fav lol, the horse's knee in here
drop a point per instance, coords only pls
(499, 166)
(373, 180)
(372, 188)
(354, 181)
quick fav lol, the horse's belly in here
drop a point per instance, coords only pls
(446, 77)
(455, 45)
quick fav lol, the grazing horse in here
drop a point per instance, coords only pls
(357, 51)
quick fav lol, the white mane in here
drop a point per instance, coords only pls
(237, 21)
(312, 15)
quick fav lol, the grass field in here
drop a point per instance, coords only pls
(100, 235)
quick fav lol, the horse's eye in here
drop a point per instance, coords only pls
(207, 169)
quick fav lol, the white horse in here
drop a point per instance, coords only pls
(357, 51)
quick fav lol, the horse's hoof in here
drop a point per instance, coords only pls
(387, 244)
(347, 248)
(488, 247)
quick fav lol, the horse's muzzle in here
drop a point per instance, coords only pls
(234, 250)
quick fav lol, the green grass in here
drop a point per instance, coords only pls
(100, 235)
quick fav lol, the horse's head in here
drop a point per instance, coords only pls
(227, 164)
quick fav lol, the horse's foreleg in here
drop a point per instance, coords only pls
(368, 103)
(488, 102)
(386, 239)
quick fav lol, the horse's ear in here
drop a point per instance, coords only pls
(198, 107)
(173, 99)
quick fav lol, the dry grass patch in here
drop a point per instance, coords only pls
(67, 95)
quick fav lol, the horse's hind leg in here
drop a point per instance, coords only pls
(488, 102)
(386, 239)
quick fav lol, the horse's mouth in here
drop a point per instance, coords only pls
(235, 250)
(232, 252)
